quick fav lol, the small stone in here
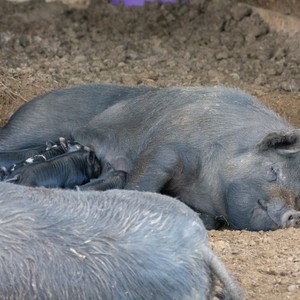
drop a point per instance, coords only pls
(52, 71)
(121, 64)
(235, 76)
(131, 55)
(4, 39)
(252, 243)
(24, 40)
(37, 39)
(261, 79)
(289, 86)
(292, 288)
(239, 12)
(220, 246)
(79, 59)
(221, 55)
(266, 240)
(270, 253)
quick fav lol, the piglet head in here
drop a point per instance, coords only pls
(93, 165)
(70, 145)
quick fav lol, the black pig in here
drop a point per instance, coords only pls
(60, 244)
(52, 150)
(217, 149)
(65, 171)
(14, 159)
(10, 157)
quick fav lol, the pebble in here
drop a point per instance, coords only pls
(252, 243)
(80, 58)
(121, 64)
(261, 79)
(221, 55)
(292, 288)
(240, 12)
(219, 246)
(4, 38)
(290, 86)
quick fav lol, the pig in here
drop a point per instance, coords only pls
(3, 173)
(118, 244)
(51, 150)
(9, 158)
(217, 149)
(65, 171)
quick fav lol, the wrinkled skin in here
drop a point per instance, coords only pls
(217, 149)
(12, 157)
(50, 151)
(12, 160)
(110, 245)
(110, 179)
(57, 113)
(254, 200)
(64, 171)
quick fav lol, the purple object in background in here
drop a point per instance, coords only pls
(138, 2)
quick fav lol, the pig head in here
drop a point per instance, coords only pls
(262, 188)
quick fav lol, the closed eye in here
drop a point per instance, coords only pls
(261, 205)
(273, 173)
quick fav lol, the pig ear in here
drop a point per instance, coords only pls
(284, 143)
(63, 142)
(49, 144)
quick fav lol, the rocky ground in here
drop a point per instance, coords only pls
(45, 46)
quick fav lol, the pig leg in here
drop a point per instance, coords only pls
(213, 222)
(153, 170)
(297, 204)
(107, 181)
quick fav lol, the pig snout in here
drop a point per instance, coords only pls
(291, 218)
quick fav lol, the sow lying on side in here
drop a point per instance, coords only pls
(217, 149)
(110, 245)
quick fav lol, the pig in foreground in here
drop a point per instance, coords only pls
(217, 149)
(62, 244)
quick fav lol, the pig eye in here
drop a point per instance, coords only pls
(273, 173)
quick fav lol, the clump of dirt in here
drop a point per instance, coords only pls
(287, 7)
(45, 46)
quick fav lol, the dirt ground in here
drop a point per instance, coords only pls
(46, 46)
